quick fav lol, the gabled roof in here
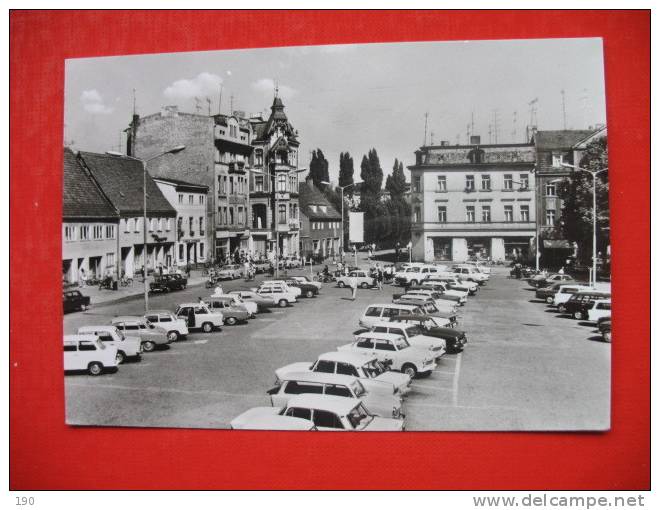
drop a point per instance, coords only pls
(309, 195)
(120, 178)
(561, 139)
(203, 188)
(81, 197)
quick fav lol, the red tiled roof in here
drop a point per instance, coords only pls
(81, 197)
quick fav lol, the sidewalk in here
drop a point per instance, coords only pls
(105, 296)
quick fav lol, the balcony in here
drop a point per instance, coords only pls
(294, 224)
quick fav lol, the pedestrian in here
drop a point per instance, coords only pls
(200, 301)
(353, 283)
(379, 277)
(561, 270)
(188, 270)
(82, 277)
(218, 290)
(191, 317)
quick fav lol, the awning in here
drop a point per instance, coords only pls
(557, 244)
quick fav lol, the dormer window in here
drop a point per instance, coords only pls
(324, 208)
(313, 208)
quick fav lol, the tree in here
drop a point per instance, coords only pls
(576, 192)
(396, 182)
(371, 174)
(346, 172)
(318, 168)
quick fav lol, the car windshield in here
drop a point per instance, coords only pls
(414, 331)
(401, 343)
(430, 323)
(430, 307)
(358, 389)
(374, 369)
(359, 417)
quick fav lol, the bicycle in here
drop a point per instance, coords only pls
(126, 282)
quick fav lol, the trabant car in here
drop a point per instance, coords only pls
(327, 413)
(396, 350)
(230, 272)
(150, 335)
(364, 280)
(547, 294)
(263, 303)
(231, 309)
(377, 400)
(307, 280)
(279, 293)
(367, 368)
(471, 274)
(167, 283)
(127, 346)
(73, 300)
(452, 282)
(306, 289)
(600, 308)
(297, 291)
(431, 326)
(378, 312)
(548, 280)
(176, 328)
(270, 421)
(415, 336)
(87, 352)
(427, 306)
(200, 316)
(564, 293)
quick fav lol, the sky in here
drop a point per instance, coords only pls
(352, 97)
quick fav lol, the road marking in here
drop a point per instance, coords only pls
(200, 342)
(430, 387)
(457, 374)
(157, 389)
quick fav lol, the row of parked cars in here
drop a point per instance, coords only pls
(362, 386)
(589, 303)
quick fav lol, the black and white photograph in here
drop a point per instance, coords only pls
(359, 237)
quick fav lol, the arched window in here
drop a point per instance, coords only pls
(282, 213)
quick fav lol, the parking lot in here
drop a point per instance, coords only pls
(523, 367)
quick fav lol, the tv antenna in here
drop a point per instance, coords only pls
(426, 126)
(563, 106)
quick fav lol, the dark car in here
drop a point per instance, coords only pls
(73, 301)
(308, 290)
(547, 294)
(168, 283)
(579, 303)
(454, 338)
(605, 328)
(552, 279)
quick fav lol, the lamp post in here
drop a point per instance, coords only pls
(144, 162)
(341, 189)
(593, 174)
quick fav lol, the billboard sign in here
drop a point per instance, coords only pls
(356, 227)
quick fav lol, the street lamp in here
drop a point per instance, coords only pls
(593, 174)
(342, 188)
(144, 162)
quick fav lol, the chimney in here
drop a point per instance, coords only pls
(475, 140)
(444, 143)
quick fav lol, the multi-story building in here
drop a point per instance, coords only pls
(121, 181)
(274, 206)
(89, 225)
(552, 149)
(320, 223)
(473, 200)
(189, 201)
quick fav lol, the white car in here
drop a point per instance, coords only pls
(414, 275)
(471, 274)
(306, 279)
(230, 272)
(437, 293)
(127, 346)
(297, 291)
(265, 419)
(279, 293)
(565, 292)
(371, 372)
(176, 328)
(414, 335)
(479, 267)
(363, 279)
(377, 312)
(200, 316)
(87, 352)
(600, 308)
(454, 283)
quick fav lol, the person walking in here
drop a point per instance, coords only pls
(354, 283)
(379, 277)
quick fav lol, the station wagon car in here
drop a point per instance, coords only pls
(263, 303)
(427, 306)
(167, 283)
(377, 312)
(550, 280)
(364, 280)
(87, 352)
(232, 310)
(471, 274)
(394, 349)
(200, 316)
(150, 335)
(431, 326)
(270, 421)
(278, 292)
(578, 304)
(73, 301)
(297, 291)
(564, 293)
(176, 328)
(305, 279)
(379, 402)
(453, 283)
(327, 413)
(600, 308)
(307, 289)
(367, 368)
(127, 346)
(415, 336)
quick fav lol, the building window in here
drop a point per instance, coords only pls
(282, 213)
(97, 231)
(84, 233)
(417, 214)
(181, 198)
(258, 183)
(442, 214)
(469, 183)
(417, 183)
(485, 182)
(169, 224)
(240, 215)
(557, 160)
(69, 233)
(281, 182)
(181, 252)
(201, 225)
(524, 181)
(442, 183)
(508, 213)
(231, 215)
(259, 157)
(201, 199)
(179, 225)
(295, 212)
(524, 213)
(550, 217)
(201, 250)
(508, 181)
(485, 214)
(190, 225)
(110, 260)
(109, 231)
(138, 224)
(550, 190)
(469, 214)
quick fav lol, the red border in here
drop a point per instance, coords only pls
(45, 454)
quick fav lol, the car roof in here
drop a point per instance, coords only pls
(104, 327)
(414, 298)
(393, 323)
(576, 286)
(379, 336)
(338, 405)
(128, 318)
(347, 357)
(320, 377)
(221, 297)
(196, 303)
(77, 338)
(279, 422)
(595, 292)
(399, 305)
(149, 312)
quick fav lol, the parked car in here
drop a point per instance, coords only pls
(297, 291)
(414, 275)
(454, 338)
(564, 293)
(200, 316)
(167, 283)
(263, 303)
(279, 293)
(415, 336)
(364, 280)
(428, 307)
(326, 412)
(470, 274)
(264, 420)
(550, 280)
(478, 266)
(578, 304)
(377, 312)
(231, 309)
(307, 289)
(394, 349)
(87, 352)
(438, 292)
(150, 335)
(605, 328)
(127, 346)
(547, 294)
(453, 283)
(367, 368)
(306, 279)
(378, 401)
(175, 327)
(600, 308)
(229, 272)
(261, 266)
(73, 301)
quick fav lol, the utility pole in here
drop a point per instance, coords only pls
(198, 105)
(220, 101)
(208, 103)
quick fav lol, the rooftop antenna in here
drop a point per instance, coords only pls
(431, 137)
(563, 106)
(208, 102)
(515, 126)
(134, 110)
(490, 133)
(495, 124)
(471, 124)
(584, 107)
(426, 126)
(467, 134)
(220, 101)
(532, 117)
(198, 105)
(231, 104)
(119, 144)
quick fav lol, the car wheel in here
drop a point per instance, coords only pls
(282, 303)
(309, 294)
(410, 370)
(95, 368)
(562, 308)
(207, 327)
(549, 300)
(120, 357)
(364, 285)
(172, 336)
(148, 346)
(413, 282)
(577, 315)
(607, 336)
(341, 285)
(230, 321)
